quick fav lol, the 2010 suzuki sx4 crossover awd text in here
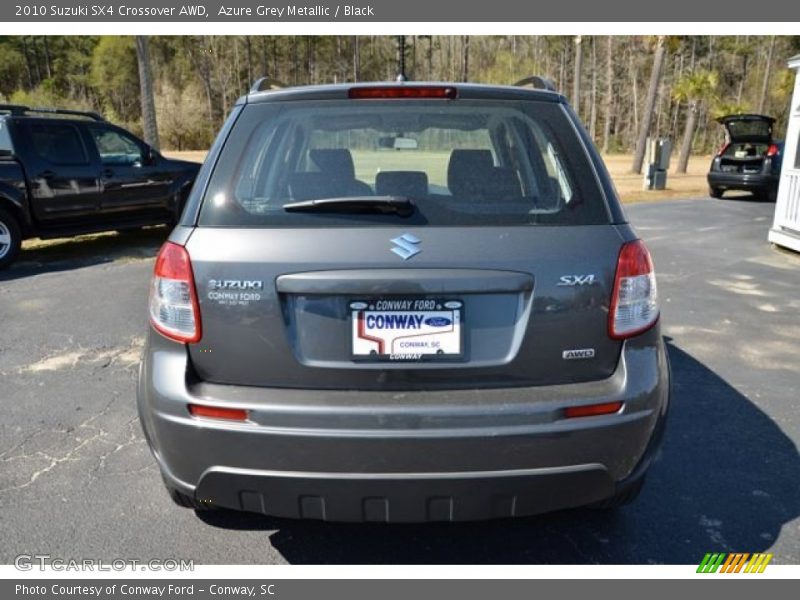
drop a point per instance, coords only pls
(401, 303)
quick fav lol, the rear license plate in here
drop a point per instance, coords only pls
(406, 329)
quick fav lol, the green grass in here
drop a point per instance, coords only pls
(368, 163)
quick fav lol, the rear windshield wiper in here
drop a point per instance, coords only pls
(398, 205)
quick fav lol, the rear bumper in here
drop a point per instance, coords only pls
(404, 457)
(747, 182)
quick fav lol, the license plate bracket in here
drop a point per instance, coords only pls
(407, 329)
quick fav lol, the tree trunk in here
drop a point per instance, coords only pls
(576, 79)
(295, 64)
(237, 72)
(275, 58)
(688, 136)
(676, 108)
(742, 78)
(249, 47)
(149, 124)
(635, 104)
(47, 57)
(593, 104)
(609, 97)
(356, 59)
(265, 60)
(28, 67)
(762, 100)
(311, 59)
(197, 50)
(35, 48)
(465, 58)
(413, 70)
(702, 117)
(430, 58)
(649, 105)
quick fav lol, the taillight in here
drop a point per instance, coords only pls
(173, 299)
(634, 302)
(723, 148)
(425, 92)
(772, 150)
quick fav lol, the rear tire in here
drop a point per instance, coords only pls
(715, 192)
(769, 196)
(177, 208)
(10, 238)
(623, 497)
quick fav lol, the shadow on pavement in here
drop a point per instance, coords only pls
(726, 481)
(64, 254)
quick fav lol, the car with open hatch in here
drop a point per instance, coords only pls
(403, 302)
(749, 159)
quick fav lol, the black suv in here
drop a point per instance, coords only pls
(65, 172)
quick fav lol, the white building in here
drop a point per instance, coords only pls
(786, 226)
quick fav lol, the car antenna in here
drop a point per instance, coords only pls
(401, 59)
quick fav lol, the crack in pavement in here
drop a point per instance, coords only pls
(134, 438)
(53, 460)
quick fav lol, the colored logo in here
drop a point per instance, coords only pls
(736, 562)
(437, 322)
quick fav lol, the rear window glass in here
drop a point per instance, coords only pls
(58, 144)
(463, 162)
(749, 128)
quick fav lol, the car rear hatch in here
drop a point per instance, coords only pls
(279, 313)
(748, 142)
(404, 244)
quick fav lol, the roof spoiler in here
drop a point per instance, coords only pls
(536, 82)
(264, 84)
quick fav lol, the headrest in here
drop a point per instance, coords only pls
(465, 166)
(411, 184)
(471, 174)
(310, 186)
(336, 162)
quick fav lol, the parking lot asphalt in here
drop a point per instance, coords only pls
(77, 479)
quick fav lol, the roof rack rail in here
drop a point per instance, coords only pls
(18, 110)
(263, 84)
(536, 82)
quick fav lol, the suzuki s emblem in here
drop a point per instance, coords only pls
(406, 246)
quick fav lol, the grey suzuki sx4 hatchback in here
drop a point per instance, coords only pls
(403, 303)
